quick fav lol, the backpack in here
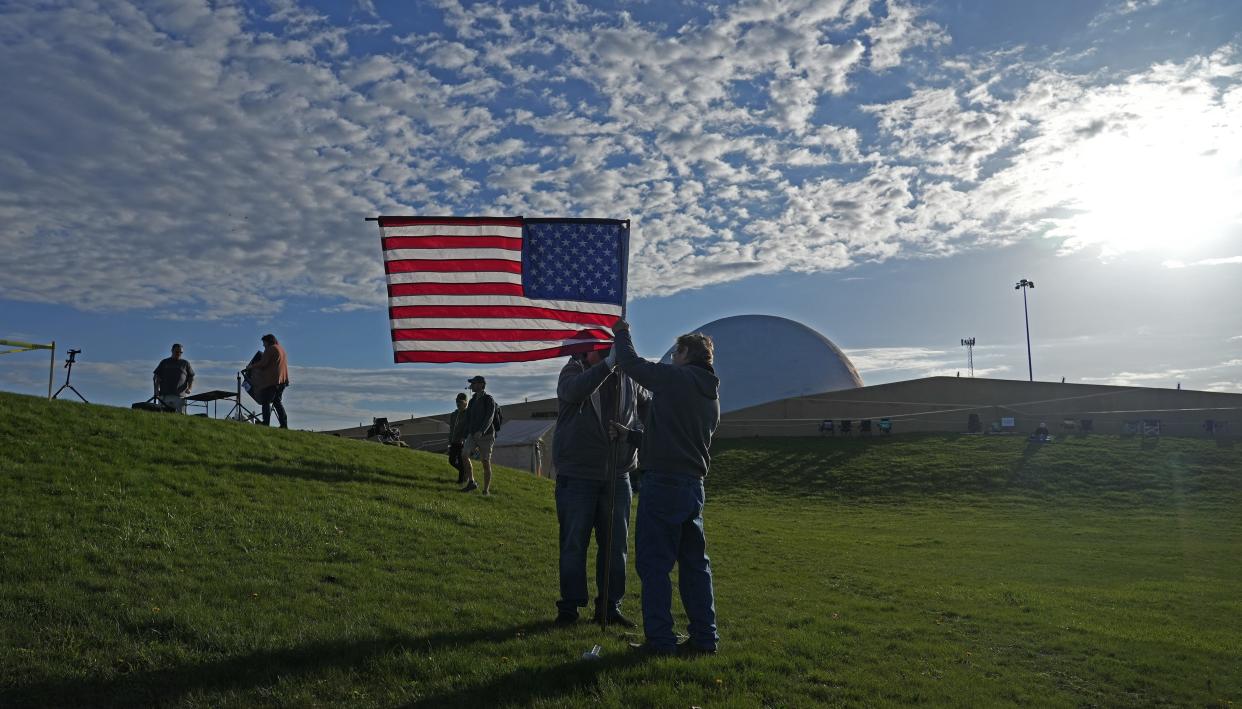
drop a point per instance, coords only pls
(497, 419)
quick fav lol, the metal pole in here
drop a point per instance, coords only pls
(605, 603)
(51, 367)
(611, 468)
(1030, 371)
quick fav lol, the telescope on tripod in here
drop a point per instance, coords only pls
(69, 373)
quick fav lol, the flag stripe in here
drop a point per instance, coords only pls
(433, 265)
(400, 289)
(479, 335)
(504, 300)
(504, 311)
(449, 277)
(410, 226)
(486, 324)
(495, 357)
(452, 242)
(489, 346)
(452, 254)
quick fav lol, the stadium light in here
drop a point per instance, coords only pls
(969, 344)
(1023, 285)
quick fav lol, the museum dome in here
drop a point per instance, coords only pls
(762, 358)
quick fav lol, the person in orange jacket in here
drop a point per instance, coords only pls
(270, 376)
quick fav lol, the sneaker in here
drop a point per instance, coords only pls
(646, 649)
(616, 618)
(689, 649)
(566, 618)
(470, 487)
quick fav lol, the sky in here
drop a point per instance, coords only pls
(883, 171)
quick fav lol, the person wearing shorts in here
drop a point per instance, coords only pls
(480, 435)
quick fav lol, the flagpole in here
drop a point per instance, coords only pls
(611, 467)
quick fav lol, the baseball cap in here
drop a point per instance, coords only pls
(478, 379)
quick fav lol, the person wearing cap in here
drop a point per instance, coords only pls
(270, 376)
(480, 435)
(674, 459)
(457, 437)
(595, 408)
(174, 378)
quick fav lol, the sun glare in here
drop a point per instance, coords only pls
(1165, 184)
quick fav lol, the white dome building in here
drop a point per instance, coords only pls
(762, 358)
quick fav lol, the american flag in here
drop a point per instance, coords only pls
(492, 289)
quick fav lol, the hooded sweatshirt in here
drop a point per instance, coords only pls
(682, 416)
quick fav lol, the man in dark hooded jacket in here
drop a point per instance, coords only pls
(674, 459)
(596, 406)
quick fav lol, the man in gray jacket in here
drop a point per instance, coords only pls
(596, 406)
(674, 458)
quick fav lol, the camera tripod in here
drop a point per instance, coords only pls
(69, 366)
(239, 412)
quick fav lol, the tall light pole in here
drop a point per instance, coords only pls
(1023, 285)
(969, 344)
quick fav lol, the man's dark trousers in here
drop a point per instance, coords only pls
(670, 530)
(272, 400)
(582, 506)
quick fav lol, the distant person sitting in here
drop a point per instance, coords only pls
(1041, 433)
(457, 437)
(269, 377)
(174, 378)
(480, 430)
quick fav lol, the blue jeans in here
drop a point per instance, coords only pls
(582, 506)
(670, 530)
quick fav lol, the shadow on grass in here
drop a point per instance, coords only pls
(267, 667)
(525, 686)
(1018, 470)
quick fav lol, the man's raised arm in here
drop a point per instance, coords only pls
(651, 375)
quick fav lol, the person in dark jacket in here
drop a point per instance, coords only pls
(596, 409)
(174, 379)
(674, 459)
(457, 437)
(480, 434)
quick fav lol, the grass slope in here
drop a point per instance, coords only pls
(179, 561)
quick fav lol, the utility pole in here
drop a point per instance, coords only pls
(969, 344)
(1023, 285)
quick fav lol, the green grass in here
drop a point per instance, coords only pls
(178, 561)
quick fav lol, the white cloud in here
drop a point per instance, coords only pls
(1122, 8)
(199, 162)
(898, 31)
(1204, 262)
(1171, 375)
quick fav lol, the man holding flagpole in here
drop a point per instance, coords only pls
(597, 411)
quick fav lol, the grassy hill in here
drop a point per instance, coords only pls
(179, 561)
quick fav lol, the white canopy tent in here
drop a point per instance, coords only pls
(526, 445)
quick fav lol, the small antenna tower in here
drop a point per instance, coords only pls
(969, 344)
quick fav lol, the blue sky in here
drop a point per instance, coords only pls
(882, 171)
